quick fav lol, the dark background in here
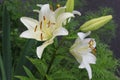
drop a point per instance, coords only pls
(115, 5)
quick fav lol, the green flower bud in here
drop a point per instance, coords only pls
(69, 5)
(95, 23)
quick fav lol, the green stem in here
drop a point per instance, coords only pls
(53, 58)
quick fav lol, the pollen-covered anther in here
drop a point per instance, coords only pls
(91, 42)
(41, 25)
(44, 18)
(49, 23)
(94, 51)
(58, 5)
(41, 36)
(52, 23)
(35, 28)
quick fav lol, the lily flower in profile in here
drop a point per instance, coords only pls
(47, 27)
(82, 50)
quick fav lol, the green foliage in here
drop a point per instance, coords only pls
(56, 63)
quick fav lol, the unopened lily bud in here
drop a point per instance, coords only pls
(95, 23)
(69, 5)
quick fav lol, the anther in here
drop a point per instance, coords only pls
(51, 8)
(44, 18)
(53, 23)
(91, 43)
(35, 28)
(41, 25)
(41, 36)
(49, 24)
(94, 51)
(58, 5)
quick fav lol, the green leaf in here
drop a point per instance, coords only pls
(2, 69)
(22, 78)
(29, 73)
(6, 48)
(49, 77)
(41, 67)
(62, 75)
(22, 60)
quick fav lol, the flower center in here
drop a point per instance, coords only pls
(45, 28)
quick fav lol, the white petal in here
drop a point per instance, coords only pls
(36, 11)
(76, 12)
(89, 58)
(88, 68)
(39, 5)
(45, 11)
(29, 22)
(64, 16)
(41, 48)
(83, 35)
(26, 34)
(58, 11)
(60, 31)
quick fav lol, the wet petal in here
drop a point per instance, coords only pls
(83, 35)
(29, 22)
(60, 31)
(41, 48)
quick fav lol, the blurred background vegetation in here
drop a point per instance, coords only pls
(13, 49)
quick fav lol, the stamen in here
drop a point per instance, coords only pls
(41, 36)
(44, 18)
(58, 5)
(94, 51)
(41, 25)
(51, 7)
(91, 43)
(53, 23)
(48, 24)
(35, 28)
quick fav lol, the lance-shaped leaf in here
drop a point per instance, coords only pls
(6, 49)
(95, 23)
(2, 68)
(29, 73)
(69, 5)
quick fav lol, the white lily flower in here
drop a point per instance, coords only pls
(47, 27)
(82, 50)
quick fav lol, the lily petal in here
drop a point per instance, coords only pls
(76, 12)
(88, 68)
(30, 23)
(60, 31)
(59, 11)
(36, 11)
(45, 11)
(39, 5)
(83, 35)
(41, 48)
(26, 34)
(61, 18)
